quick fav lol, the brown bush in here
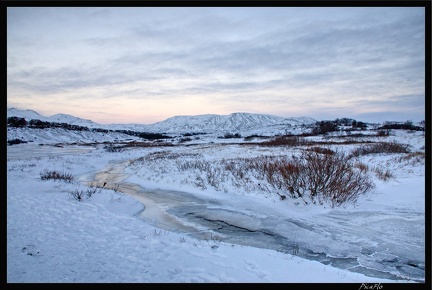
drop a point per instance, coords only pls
(333, 177)
(320, 150)
(381, 147)
(285, 141)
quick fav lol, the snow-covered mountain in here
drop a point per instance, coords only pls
(26, 114)
(69, 119)
(225, 123)
(208, 123)
(57, 118)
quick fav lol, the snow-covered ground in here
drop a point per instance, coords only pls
(120, 234)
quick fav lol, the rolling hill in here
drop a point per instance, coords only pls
(207, 123)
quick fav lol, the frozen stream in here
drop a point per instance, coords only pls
(367, 242)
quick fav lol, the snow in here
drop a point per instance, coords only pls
(181, 124)
(58, 118)
(121, 236)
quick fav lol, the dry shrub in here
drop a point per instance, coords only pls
(361, 166)
(292, 178)
(383, 174)
(381, 147)
(53, 174)
(161, 156)
(322, 150)
(80, 195)
(285, 141)
(413, 158)
(333, 177)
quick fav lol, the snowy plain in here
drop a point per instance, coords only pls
(128, 230)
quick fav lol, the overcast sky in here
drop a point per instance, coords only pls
(143, 65)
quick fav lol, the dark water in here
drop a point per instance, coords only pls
(378, 257)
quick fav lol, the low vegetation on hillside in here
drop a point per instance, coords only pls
(315, 172)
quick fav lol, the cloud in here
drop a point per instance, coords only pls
(318, 58)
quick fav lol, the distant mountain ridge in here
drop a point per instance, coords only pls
(27, 114)
(231, 122)
(57, 118)
(180, 124)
